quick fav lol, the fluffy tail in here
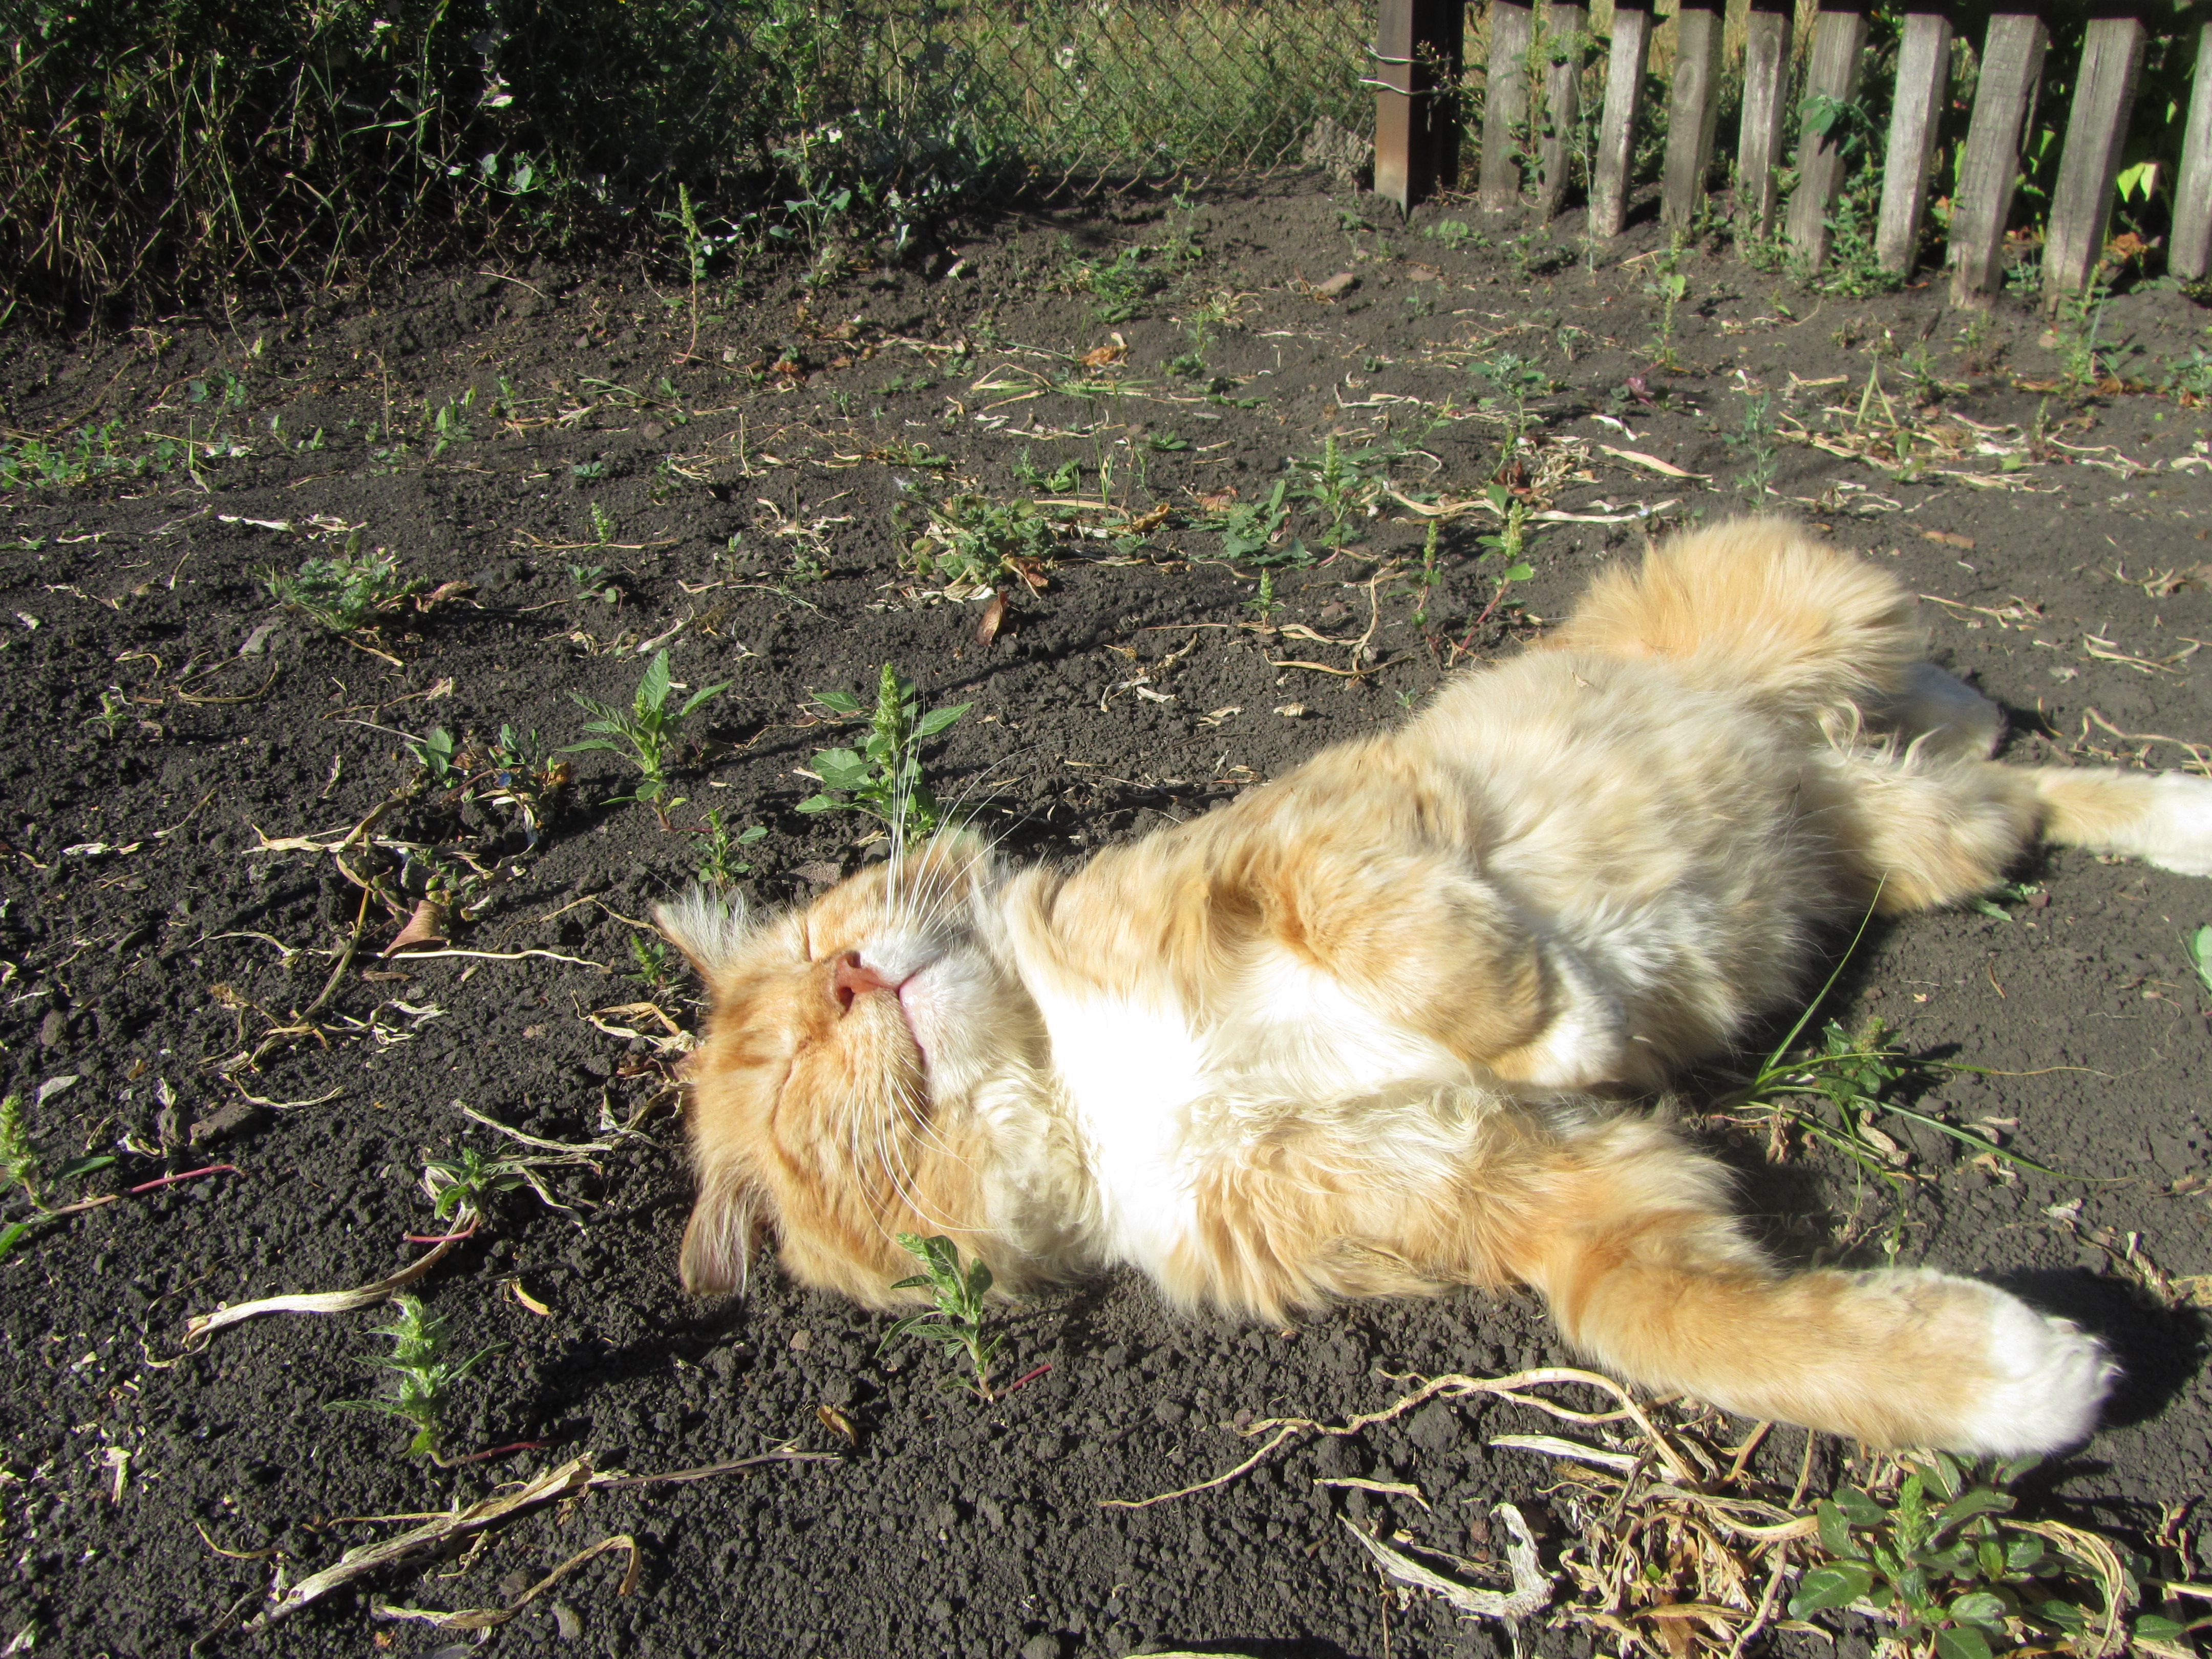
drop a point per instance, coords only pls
(1759, 605)
(1647, 1272)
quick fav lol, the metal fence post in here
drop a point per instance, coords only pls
(1417, 72)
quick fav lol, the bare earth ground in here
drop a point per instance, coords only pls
(746, 476)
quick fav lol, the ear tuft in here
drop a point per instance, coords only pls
(708, 928)
(718, 1242)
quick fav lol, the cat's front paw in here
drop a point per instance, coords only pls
(2044, 1380)
(2178, 829)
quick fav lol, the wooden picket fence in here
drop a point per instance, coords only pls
(1417, 47)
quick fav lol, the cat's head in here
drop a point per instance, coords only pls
(835, 1100)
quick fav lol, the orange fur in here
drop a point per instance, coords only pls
(1336, 1040)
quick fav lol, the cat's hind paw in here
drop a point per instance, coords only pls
(2046, 1378)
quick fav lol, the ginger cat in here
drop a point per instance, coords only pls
(1338, 1039)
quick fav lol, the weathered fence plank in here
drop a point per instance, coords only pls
(1616, 136)
(2012, 59)
(1505, 104)
(1765, 98)
(2189, 253)
(1923, 62)
(1691, 109)
(1838, 49)
(1417, 68)
(1559, 43)
(2082, 200)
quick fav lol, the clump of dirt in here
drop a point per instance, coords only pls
(1171, 496)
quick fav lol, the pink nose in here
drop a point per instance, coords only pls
(854, 977)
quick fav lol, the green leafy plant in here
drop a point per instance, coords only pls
(1337, 483)
(1118, 287)
(1940, 1560)
(2199, 946)
(1509, 541)
(589, 582)
(1670, 287)
(345, 592)
(1753, 441)
(115, 712)
(654, 964)
(461, 1188)
(22, 1167)
(1252, 532)
(603, 528)
(954, 1319)
(1513, 381)
(434, 753)
(419, 1358)
(971, 539)
(883, 777)
(1262, 603)
(719, 865)
(646, 731)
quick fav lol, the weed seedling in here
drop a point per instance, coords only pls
(1940, 1565)
(1669, 286)
(589, 582)
(1262, 605)
(461, 1187)
(954, 1320)
(1754, 442)
(655, 965)
(1510, 539)
(1513, 381)
(1432, 545)
(434, 753)
(883, 777)
(344, 593)
(21, 1166)
(646, 731)
(419, 1359)
(1336, 484)
(114, 713)
(604, 529)
(2199, 945)
(1250, 531)
(718, 860)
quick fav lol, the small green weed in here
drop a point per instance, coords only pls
(84, 456)
(1510, 539)
(1941, 1565)
(589, 582)
(346, 593)
(655, 964)
(718, 864)
(2199, 946)
(1456, 233)
(1513, 380)
(1754, 443)
(954, 1320)
(973, 540)
(434, 753)
(1262, 603)
(883, 777)
(646, 732)
(419, 1357)
(1119, 287)
(461, 1188)
(1670, 287)
(21, 1166)
(1337, 483)
(603, 528)
(115, 712)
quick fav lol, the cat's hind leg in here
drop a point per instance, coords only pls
(1628, 1236)
(1941, 712)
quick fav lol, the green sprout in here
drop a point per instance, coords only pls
(656, 965)
(1940, 1561)
(954, 1320)
(344, 593)
(589, 582)
(419, 1359)
(883, 777)
(2199, 946)
(114, 713)
(22, 1166)
(646, 731)
(434, 753)
(461, 1188)
(719, 865)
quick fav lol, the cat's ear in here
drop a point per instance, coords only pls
(711, 929)
(725, 1222)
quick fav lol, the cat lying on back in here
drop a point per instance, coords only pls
(1336, 1039)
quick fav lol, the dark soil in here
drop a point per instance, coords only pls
(748, 475)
